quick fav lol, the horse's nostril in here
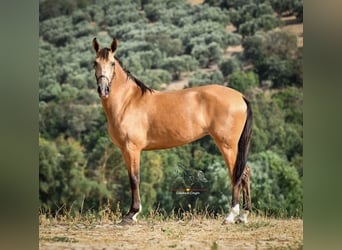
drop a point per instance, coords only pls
(103, 89)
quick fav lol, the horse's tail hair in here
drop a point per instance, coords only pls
(243, 146)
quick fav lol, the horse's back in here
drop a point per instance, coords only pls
(210, 101)
(221, 98)
(213, 91)
(220, 91)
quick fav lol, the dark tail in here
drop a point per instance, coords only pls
(243, 146)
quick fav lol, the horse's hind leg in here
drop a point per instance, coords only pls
(245, 183)
(234, 213)
(229, 153)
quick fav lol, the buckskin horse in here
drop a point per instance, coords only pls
(140, 118)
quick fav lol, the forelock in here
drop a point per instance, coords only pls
(104, 53)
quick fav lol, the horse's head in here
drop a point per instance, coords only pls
(104, 66)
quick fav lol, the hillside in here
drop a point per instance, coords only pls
(290, 25)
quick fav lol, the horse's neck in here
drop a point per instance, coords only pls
(122, 91)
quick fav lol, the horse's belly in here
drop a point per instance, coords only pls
(173, 137)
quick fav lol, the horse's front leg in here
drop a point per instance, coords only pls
(132, 160)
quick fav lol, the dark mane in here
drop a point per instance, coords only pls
(139, 83)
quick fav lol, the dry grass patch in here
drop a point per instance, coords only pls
(157, 233)
(291, 25)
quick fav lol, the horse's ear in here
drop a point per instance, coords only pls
(114, 45)
(96, 45)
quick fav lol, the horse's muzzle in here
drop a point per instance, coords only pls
(103, 89)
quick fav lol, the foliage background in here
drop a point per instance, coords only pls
(160, 42)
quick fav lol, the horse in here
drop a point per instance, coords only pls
(140, 118)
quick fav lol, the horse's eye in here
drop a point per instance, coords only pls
(95, 63)
(113, 64)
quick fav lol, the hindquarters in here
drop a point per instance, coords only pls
(232, 135)
(231, 128)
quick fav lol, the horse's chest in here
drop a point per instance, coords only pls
(125, 132)
(115, 133)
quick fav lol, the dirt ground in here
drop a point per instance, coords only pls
(259, 233)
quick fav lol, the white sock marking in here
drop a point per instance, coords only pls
(135, 216)
(234, 213)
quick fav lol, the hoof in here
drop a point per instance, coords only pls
(230, 220)
(236, 218)
(240, 219)
(243, 218)
(127, 221)
(226, 222)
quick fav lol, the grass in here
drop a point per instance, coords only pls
(59, 239)
(214, 246)
(194, 230)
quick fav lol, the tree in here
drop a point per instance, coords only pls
(204, 33)
(62, 181)
(200, 79)
(278, 123)
(252, 17)
(163, 41)
(275, 56)
(155, 77)
(243, 80)
(153, 10)
(151, 176)
(264, 22)
(176, 65)
(207, 54)
(290, 101)
(276, 186)
(268, 124)
(202, 12)
(57, 31)
(48, 169)
(231, 65)
(288, 7)
(228, 3)
(50, 8)
(106, 166)
(298, 10)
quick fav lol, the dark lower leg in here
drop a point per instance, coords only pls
(136, 203)
(246, 189)
(236, 195)
(132, 159)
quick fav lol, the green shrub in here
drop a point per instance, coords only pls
(276, 57)
(243, 80)
(230, 66)
(276, 186)
(201, 79)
